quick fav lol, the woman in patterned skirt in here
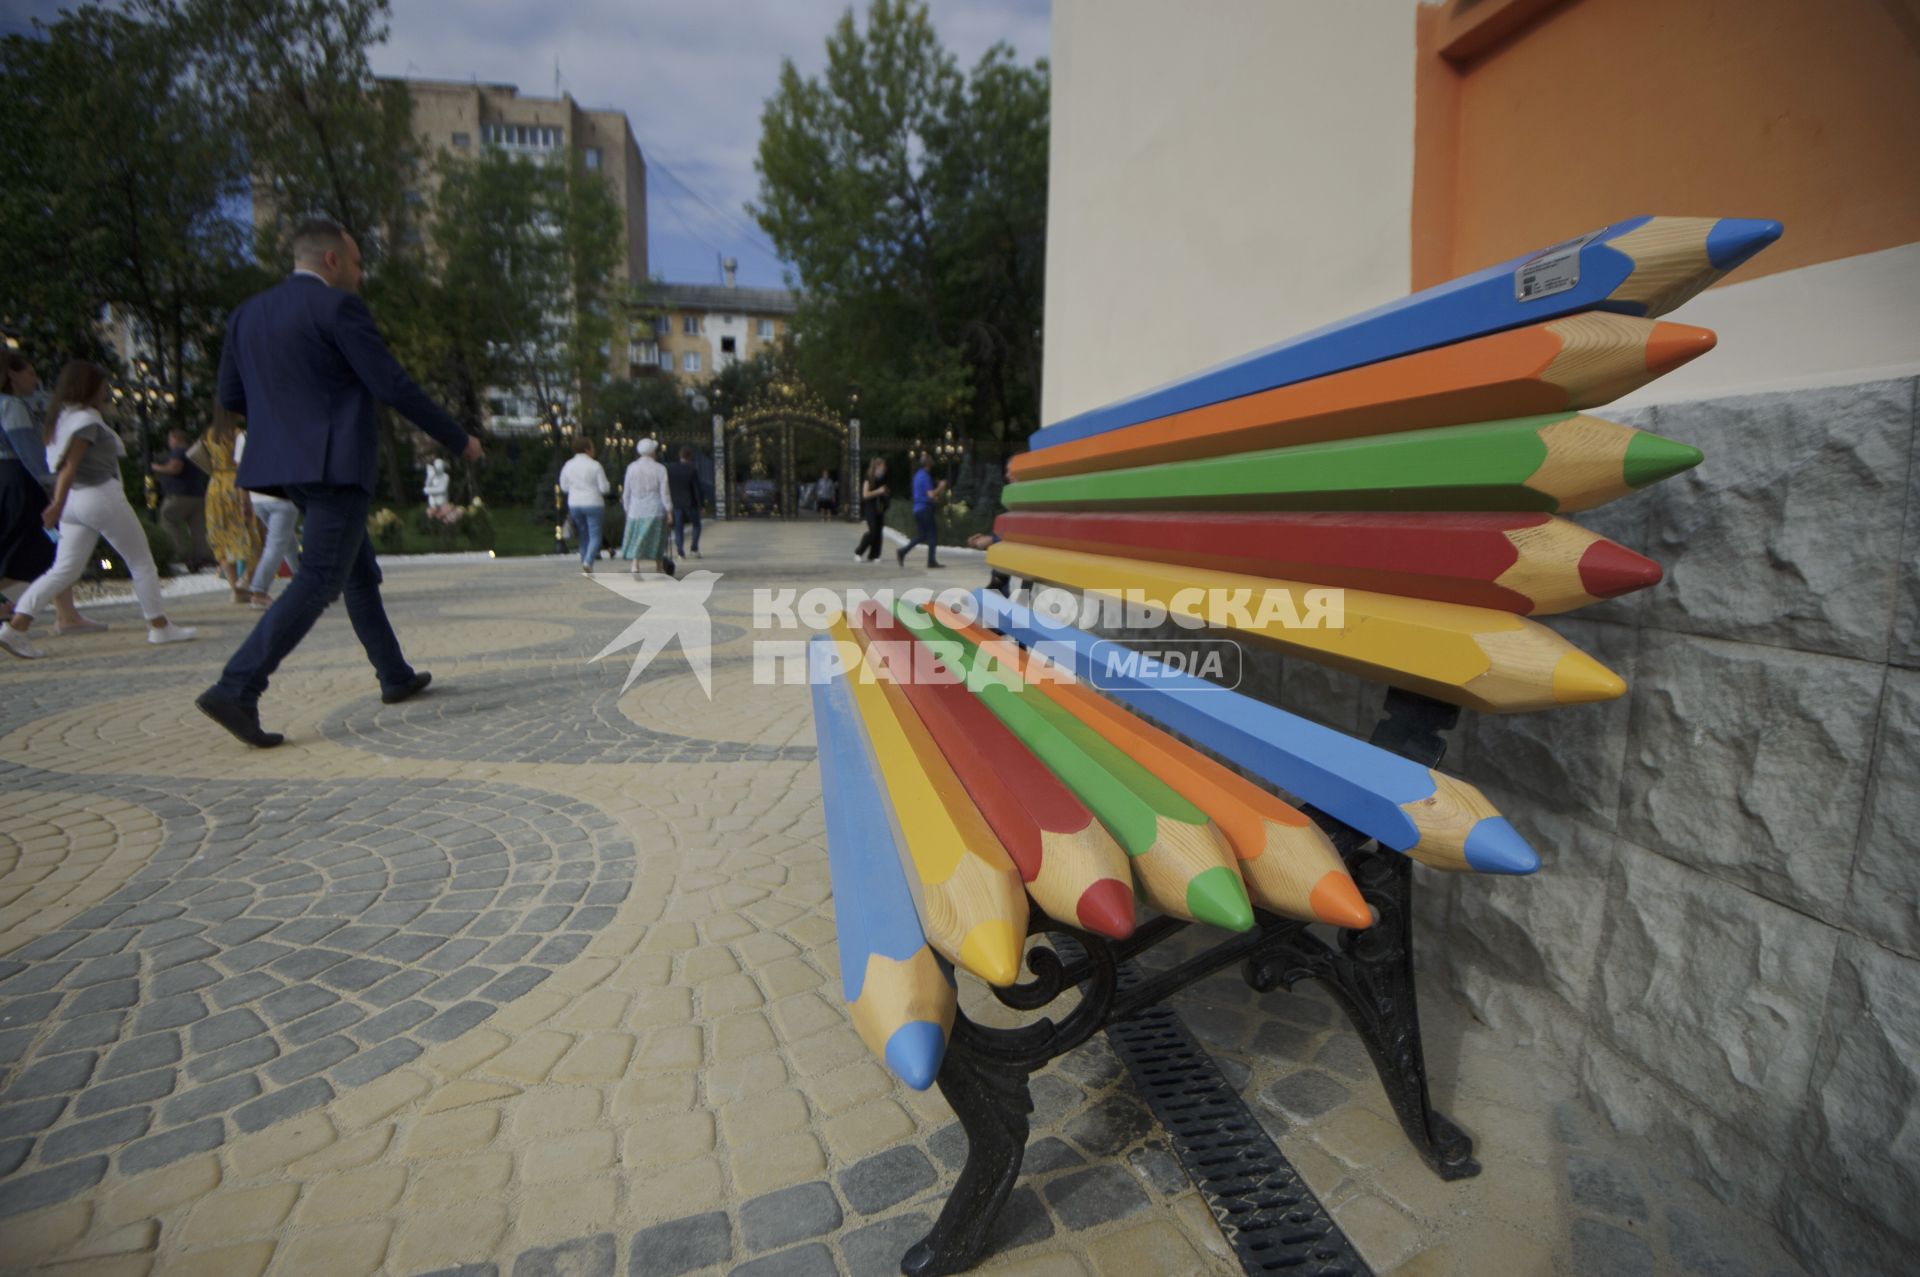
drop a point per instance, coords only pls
(231, 527)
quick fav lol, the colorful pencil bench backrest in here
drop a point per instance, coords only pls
(1410, 467)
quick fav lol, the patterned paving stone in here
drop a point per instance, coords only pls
(239, 989)
(553, 714)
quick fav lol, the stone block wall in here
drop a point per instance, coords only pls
(1723, 947)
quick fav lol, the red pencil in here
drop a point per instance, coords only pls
(1073, 868)
(1530, 563)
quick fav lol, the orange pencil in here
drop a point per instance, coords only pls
(1580, 361)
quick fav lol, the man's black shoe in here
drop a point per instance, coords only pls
(418, 683)
(900, 556)
(932, 564)
(242, 720)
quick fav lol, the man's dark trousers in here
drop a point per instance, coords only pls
(685, 517)
(335, 558)
(924, 533)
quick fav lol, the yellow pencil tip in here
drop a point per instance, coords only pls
(1578, 679)
(992, 952)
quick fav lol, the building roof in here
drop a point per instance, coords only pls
(759, 301)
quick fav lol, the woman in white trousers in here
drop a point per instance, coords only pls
(281, 518)
(88, 503)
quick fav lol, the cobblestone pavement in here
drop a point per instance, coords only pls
(529, 976)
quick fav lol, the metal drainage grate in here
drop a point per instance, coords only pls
(1264, 1209)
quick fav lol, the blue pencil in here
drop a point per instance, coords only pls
(1437, 819)
(1643, 266)
(899, 992)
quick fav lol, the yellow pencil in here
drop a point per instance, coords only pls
(1491, 661)
(971, 900)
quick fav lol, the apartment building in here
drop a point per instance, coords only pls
(698, 329)
(459, 118)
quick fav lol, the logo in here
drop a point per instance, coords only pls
(673, 610)
(1115, 666)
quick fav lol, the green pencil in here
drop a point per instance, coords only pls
(1558, 464)
(1184, 866)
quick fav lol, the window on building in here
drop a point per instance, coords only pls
(726, 346)
(726, 319)
(662, 325)
(592, 157)
(666, 361)
(690, 362)
(766, 330)
(690, 325)
(462, 140)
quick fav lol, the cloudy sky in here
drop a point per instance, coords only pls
(690, 76)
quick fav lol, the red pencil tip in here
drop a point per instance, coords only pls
(1670, 345)
(1609, 568)
(1107, 907)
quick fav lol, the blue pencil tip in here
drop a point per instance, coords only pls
(1734, 239)
(914, 1053)
(1495, 847)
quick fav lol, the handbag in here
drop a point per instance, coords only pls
(198, 458)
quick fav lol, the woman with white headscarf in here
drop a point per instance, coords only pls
(645, 497)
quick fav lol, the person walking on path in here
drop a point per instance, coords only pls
(646, 494)
(304, 363)
(88, 503)
(826, 495)
(183, 510)
(683, 481)
(281, 521)
(584, 480)
(234, 535)
(875, 497)
(26, 547)
(925, 530)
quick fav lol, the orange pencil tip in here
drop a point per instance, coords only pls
(1670, 345)
(1336, 900)
(1107, 908)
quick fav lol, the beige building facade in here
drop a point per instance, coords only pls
(696, 330)
(459, 118)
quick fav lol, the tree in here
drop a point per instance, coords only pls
(526, 253)
(912, 201)
(320, 134)
(119, 192)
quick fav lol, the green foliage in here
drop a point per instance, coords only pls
(527, 252)
(118, 189)
(912, 199)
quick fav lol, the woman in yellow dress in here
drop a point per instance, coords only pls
(231, 527)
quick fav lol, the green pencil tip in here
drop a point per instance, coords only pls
(1651, 458)
(1218, 898)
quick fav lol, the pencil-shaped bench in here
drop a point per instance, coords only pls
(1073, 869)
(969, 896)
(1180, 861)
(1556, 464)
(1643, 266)
(1581, 361)
(1436, 819)
(899, 993)
(1476, 657)
(1531, 564)
(1288, 864)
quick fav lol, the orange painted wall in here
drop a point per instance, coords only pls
(1804, 111)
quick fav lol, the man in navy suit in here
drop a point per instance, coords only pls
(304, 364)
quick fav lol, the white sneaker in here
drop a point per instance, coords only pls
(17, 643)
(859, 558)
(698, 555)
(171, 633)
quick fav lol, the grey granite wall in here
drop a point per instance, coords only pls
(1724, 943)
